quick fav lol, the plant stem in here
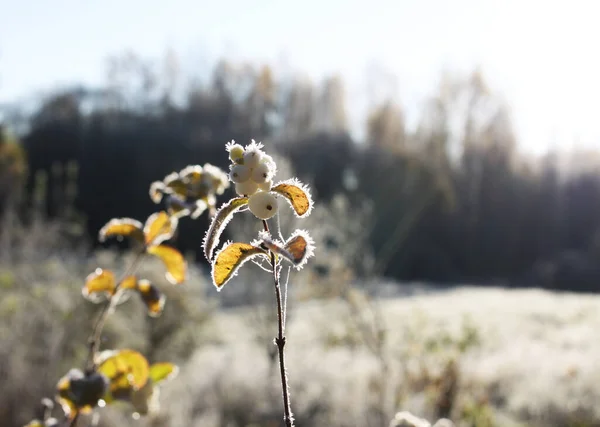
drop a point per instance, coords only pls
(94, 341)
(74, 420)
(280, 342)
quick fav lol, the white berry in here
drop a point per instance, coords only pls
(246, 188)
(252, 157)
(263, 205)
(261, 173)
(266, 186)
(240, 173)
(236, 153)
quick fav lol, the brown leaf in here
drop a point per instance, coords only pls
(152, 297)
(301, 247)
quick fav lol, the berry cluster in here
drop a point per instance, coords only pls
(252, 172)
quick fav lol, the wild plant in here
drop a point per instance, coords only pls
(125, 375)
(252, 171)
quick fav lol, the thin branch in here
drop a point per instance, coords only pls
(73, 421)
(280, 341)
(95, 337)
(285, 296)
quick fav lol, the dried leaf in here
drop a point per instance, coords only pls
(297, 194)
(160, 226)
(157, 189)
(177, 207)
(152, 297)
(163, 371)
(99, 285)
(175, 185)
(219, 222)
(277, 248)
(121, 227)
(191, 174)
(301, 247)
(126, 370)
(79, 392)
(173, 261)
(230, 258)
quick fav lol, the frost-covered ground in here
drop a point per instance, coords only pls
(534, 359)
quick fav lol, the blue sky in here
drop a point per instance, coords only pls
(541, 55)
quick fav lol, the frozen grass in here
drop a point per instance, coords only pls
(498, 357)
(534, 361)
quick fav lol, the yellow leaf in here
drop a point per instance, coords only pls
(191, 174)
(297, 195)
(173, 261)
(99, 285)
(175, 185)
(229, 259)
(163, 371)
(130, 282)
(34, 423)
(159, 227)
(157, 189)
(67, 406)
(219, 221)
(121, 227)
(126, 370)
(152, 297)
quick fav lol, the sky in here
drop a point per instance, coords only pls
(541, 56)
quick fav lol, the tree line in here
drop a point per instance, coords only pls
(450, 199)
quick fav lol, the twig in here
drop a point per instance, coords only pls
(280, 342)
(74, 420)
(94, 341)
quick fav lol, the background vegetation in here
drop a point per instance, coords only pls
(449, 201)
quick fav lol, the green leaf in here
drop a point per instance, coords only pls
(297, 195)
(219, 222)
(229, 259)
(163, 371)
